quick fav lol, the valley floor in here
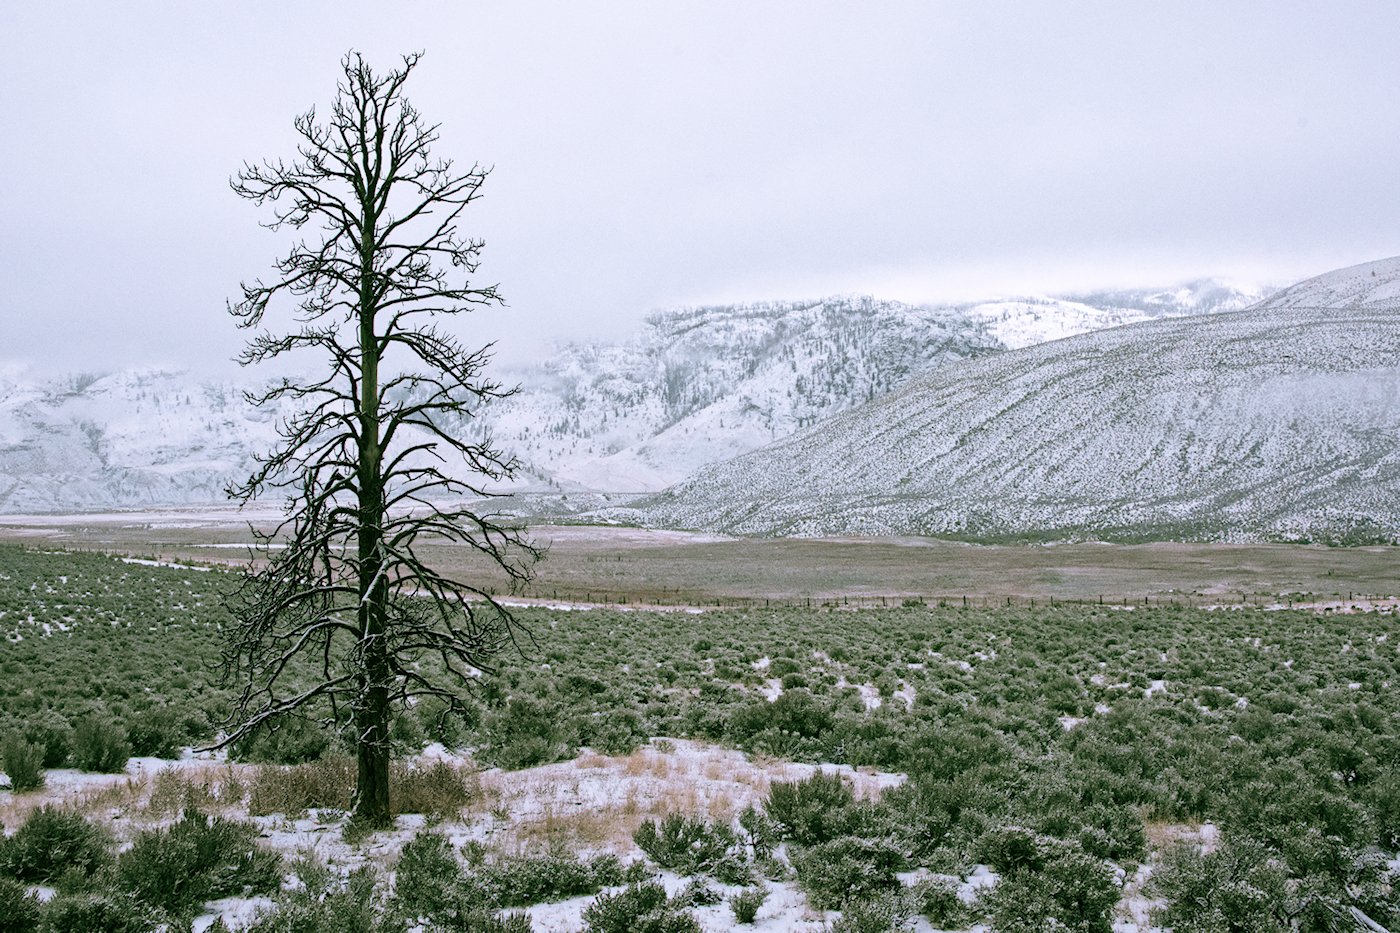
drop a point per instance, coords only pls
(622, 565)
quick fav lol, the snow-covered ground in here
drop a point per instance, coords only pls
(591, 804)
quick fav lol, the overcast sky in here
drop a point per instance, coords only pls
(650, 154)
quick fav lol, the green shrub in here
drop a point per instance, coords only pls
(1384, 800)
(638, 908)
(814, 810)
(487, 922)
(288, 741)
(760, 833)
(19, 910)
(878, 914)
(837, 872)
(937, 901)
(614, 732)
(157, 733)
(697, 893)
(1241, 886)
(442, 722)
(100, 745)
(23, 762)
(796, 713)
(1048, 884)
(746, 903)
(528, 732)
(1007, 849)
(325, 904)
(50, 731)
(689, 846)
(52, 842)
(108, 911)
(521, 880)
(194, 860)
(428, 880)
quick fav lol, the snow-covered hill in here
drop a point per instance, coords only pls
(137, 437)
(699, 385)
(1278, 421)
(691, 387)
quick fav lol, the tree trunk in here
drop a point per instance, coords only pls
(372, 759)
(372, 710)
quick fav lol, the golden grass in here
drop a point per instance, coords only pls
(596, 802)
(592, 804)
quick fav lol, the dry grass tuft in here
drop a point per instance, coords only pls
(293, 789)
(440, 789)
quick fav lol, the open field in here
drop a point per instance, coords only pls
(991, 765)
(607, 564)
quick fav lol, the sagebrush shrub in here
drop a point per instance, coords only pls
(1006, 849)
(158, 733)
(761, 834)
(691, 847)
(814, 810)
(292, 741)
(937, 900)
(51, 732)
(521, 880)
(697, 893)
(90, 911)
(835, 873)
(430, 881)
(100, 745)
(1055, 886)
(19, 910)
(796, 713)
(1384, 800)
(613, 732)
(1239, 886)
(427, 881)
(638, 908)
(526, 732)
(324, 903)
(745, 904)
(196, 859)
(23, 762)
(881, 913)
(53, 842)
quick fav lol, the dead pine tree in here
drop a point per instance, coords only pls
(344, 622)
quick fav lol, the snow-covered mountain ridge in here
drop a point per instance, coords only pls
(1280, 421)
(699, 385)
(691, 387)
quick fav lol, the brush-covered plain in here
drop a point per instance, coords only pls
(1061, 749)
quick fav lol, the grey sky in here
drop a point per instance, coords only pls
(649, 154)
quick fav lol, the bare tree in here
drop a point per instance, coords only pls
(344, 620)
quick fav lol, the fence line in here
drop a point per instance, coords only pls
(681, 599)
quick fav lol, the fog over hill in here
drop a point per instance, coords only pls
(689, 388)
(1280, 421)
